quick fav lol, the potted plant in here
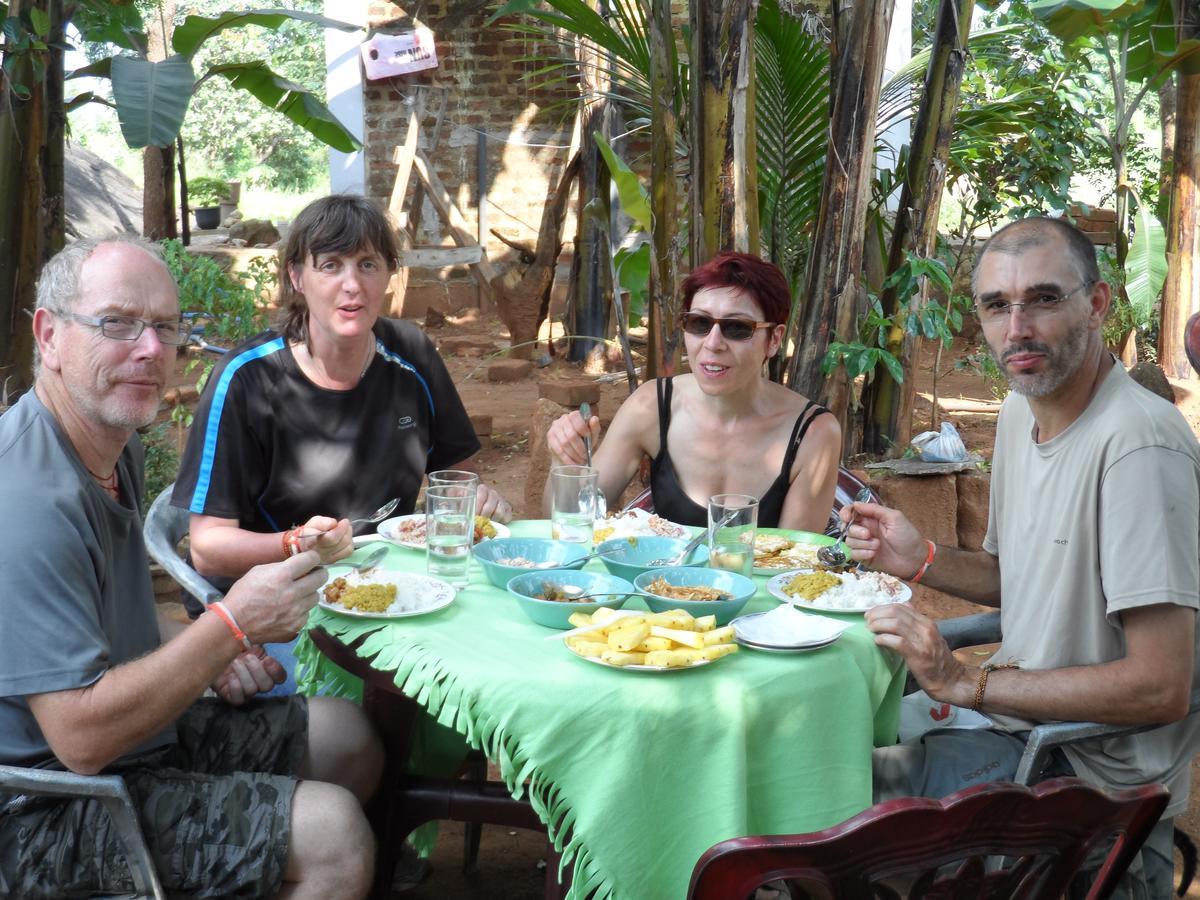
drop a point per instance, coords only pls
(205, 194)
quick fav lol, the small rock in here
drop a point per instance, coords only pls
(465, 345)
(1153, 379)
(570, 393)
(509, 370)
(232, 219)
(434, 317)
(255, 232)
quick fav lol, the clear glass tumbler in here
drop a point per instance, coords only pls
(732, 522)
(574, 491)
(450, 531)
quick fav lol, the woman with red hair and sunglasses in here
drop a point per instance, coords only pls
(724, 428)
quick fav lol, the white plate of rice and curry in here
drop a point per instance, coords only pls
(382, 594)
(839, 592)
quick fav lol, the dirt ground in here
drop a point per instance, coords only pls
(511, 863)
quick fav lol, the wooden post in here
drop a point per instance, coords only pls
(1181, 290)
(889, 404)
(831, 291)
(724, 169)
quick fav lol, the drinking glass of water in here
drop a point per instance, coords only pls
(453, 476)
(732, 522)
(450, 531)
(574, 492)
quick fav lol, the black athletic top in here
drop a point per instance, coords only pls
(271, 449)
(673, 504)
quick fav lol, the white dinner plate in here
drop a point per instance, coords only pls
(416, 594)
(775, 589)
(409, 531)
(600, 662)
(805, 632)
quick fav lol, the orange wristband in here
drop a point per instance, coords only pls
(291, 542)
(226, 616)
(925, 565)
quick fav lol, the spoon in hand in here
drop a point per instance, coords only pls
(678, 558)
(834, 556)
(585, 410)
(371, 561)
(378, 516)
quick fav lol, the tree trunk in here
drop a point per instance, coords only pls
(158, 175)
(31, 193)
(1166, 157)
(1181, 291)
(663, 340)
(889, 404)
(591, 285)
(831, 290)
(724, 170)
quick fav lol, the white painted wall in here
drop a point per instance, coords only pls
(344, 92)
(899, 51)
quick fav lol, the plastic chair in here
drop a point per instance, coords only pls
(165, 527)
(110, 790)
(984, 628)
(999, 840)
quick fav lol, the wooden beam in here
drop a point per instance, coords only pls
(403, 158)
(450, 214)
(440, 257)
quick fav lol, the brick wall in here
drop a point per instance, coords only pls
(482, 67)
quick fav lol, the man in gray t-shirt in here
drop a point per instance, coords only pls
(1092, 552)
(236, 796)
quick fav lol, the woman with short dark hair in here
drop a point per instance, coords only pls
(724, 428)
(327, 418)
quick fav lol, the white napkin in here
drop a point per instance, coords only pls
(786, 626)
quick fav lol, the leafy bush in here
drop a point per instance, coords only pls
(204, 190)
(162, 462)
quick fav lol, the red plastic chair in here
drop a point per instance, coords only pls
(1191, 340)
(1001, 840)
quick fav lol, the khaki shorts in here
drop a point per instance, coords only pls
(215, 809)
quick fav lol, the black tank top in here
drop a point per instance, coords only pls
(673, 504)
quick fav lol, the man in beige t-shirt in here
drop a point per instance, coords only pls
(1092, 552)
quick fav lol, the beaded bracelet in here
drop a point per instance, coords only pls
(925, 565)
(223, 613)
(291, 543)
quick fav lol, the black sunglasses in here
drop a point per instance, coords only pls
(700, 324)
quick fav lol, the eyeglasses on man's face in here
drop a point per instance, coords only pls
(127, 328)
(732, 329)
(1036, 305)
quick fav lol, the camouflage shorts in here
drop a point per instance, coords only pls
(215, 809)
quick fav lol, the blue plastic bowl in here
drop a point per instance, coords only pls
(629, 557)
(553, 613)
(739, 587)
(538, 550)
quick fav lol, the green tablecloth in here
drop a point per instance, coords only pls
(640, 773)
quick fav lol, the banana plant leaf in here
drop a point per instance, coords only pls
(791, 131)
(635, 200)
(1146, 264)
(293, 100)
(195, 30)
(152, 98)
(1071, 19)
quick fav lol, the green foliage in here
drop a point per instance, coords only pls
(933, 321)
(1146, 264)
(635, 200)
(205, 190)
(228, 304)
(162, 462)
(791, 133)
(152, 97)
(23, 41)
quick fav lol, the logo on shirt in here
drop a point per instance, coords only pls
(406, 422)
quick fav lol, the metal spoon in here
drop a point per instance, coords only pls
(573, 593)
(677, 559)
(585, 410)
(370, 562)
(378, 516)
(833, 556)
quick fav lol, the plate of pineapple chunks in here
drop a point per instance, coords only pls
(668, 641)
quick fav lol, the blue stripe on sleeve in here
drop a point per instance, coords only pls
(204, 477)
